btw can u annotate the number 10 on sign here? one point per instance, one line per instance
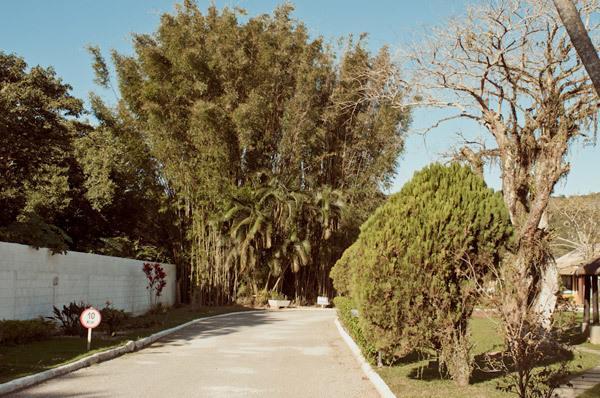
(89, 319)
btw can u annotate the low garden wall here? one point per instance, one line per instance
(33, 281)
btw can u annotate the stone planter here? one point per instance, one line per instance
(595, 334)
(279, 303)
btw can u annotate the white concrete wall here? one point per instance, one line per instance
(28, 276)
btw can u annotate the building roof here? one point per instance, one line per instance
(576, 263)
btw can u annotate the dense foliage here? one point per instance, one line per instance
(20, 332)
(231, 151)
(344, 307)
(250, 126)
(36, 134)
(65, 184)
(415, 268)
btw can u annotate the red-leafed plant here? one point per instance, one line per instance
(156, 276)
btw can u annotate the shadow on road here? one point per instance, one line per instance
(70, 384)
(216, 327)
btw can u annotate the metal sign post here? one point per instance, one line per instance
(89, 319)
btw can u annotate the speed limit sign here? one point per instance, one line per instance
(89, 319)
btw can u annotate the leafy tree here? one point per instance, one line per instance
(575, 221)
(65, 184)
(123, 188)
(37, 128)
(219, 102)
(273, 231)
(415, 269)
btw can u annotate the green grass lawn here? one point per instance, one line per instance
(26, 359)
(412, 378)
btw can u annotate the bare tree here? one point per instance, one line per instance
(510, 67)
(580, 39)
(577, 223)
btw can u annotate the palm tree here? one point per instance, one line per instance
(328, 205)
(277, 232)
(265, 227)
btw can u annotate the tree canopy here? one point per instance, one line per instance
(220, 103)
(37, 129)
(68, 184)
(231, 150)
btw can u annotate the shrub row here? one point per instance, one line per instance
(19, 332)
(344, 306)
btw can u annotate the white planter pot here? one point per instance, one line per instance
(279, 303)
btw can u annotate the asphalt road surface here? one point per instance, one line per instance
(287, 353)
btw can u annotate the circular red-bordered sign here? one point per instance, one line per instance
(90, 318)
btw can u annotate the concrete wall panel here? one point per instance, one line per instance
(32, 281)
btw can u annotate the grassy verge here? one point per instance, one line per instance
(344, 307)
(412, 377)
(26, 359)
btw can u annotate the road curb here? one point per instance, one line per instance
(130, 346)
(375, 379)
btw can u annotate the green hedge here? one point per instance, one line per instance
(344, 306)
(19, 332)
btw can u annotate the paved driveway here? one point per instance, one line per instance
(288, 353)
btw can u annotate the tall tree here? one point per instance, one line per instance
(220, 102)
(37, 129)
(510, 67)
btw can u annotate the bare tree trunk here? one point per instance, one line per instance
(580, 39)
(546, 301)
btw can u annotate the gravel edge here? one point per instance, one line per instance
(130, 346)
(380, 385)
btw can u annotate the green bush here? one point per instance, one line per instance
(415, 268)
(341, 273)
(112, 319)
(344, 306)
(68, 318)
(19, 332)
(262, 297)
(244, 295)
(275, 295)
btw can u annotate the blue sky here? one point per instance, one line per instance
(55, 33)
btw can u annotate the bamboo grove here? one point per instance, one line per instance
(270, 172)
